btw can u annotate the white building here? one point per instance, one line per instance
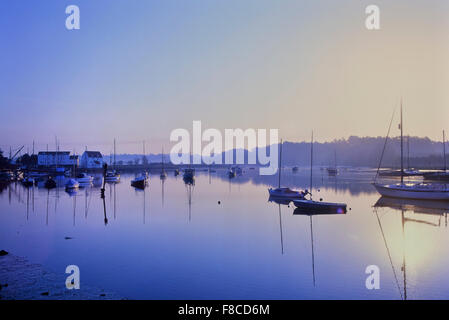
(91, 160)
(54, 158)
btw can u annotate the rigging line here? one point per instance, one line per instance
(385, 145)
(389, 255)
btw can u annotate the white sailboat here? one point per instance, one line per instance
(163, 175)
(409, 190)
(112, 175)
(284, 192)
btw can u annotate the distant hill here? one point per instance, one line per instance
(354, 151)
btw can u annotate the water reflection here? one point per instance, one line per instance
(311, 214)
(230, 243)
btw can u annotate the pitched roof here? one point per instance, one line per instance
(93, 154)
(53, 153)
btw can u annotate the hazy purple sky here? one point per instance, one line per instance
(138, 69)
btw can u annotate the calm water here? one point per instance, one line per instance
(172, 241)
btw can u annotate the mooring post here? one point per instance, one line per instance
(105, 169)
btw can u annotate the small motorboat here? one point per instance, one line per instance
(112, 176)
(286, 193)
(50, 183)
(68, 173)
(140, 181)
(72, 184)
(319, 207)
(28, 181)
(84, 178)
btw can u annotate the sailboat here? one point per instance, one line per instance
(409, 190)
(72, 184)
(318, 207)
(112, 175)
(284, 192)
(189, 173)
(140, 181)
(333, 171)
(231, 173)
(439, 175)
(163, 174)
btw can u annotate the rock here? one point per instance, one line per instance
(3, 253)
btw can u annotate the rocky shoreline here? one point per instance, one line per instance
(23, 280)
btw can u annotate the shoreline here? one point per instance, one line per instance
(21, 279)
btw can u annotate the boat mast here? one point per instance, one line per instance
(402, 150)
(279, 165)
(335, 159)
(408, 152)
(163, 169)
(444, 151)
(114, 155)
(311, 164)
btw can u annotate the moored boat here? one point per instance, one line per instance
(72, 184)
(409, 190)
(50, 183)
(140, 181)
(414, 191)
(84, 178)
(28, 181)
(284, 192)
(189, 173)
(112, 176)
(320, 207)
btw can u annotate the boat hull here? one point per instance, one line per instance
(407, 193)
(317, 207)
(280, 194)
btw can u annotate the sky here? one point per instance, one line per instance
(138, 69)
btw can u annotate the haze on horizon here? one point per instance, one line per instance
(136, 70)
